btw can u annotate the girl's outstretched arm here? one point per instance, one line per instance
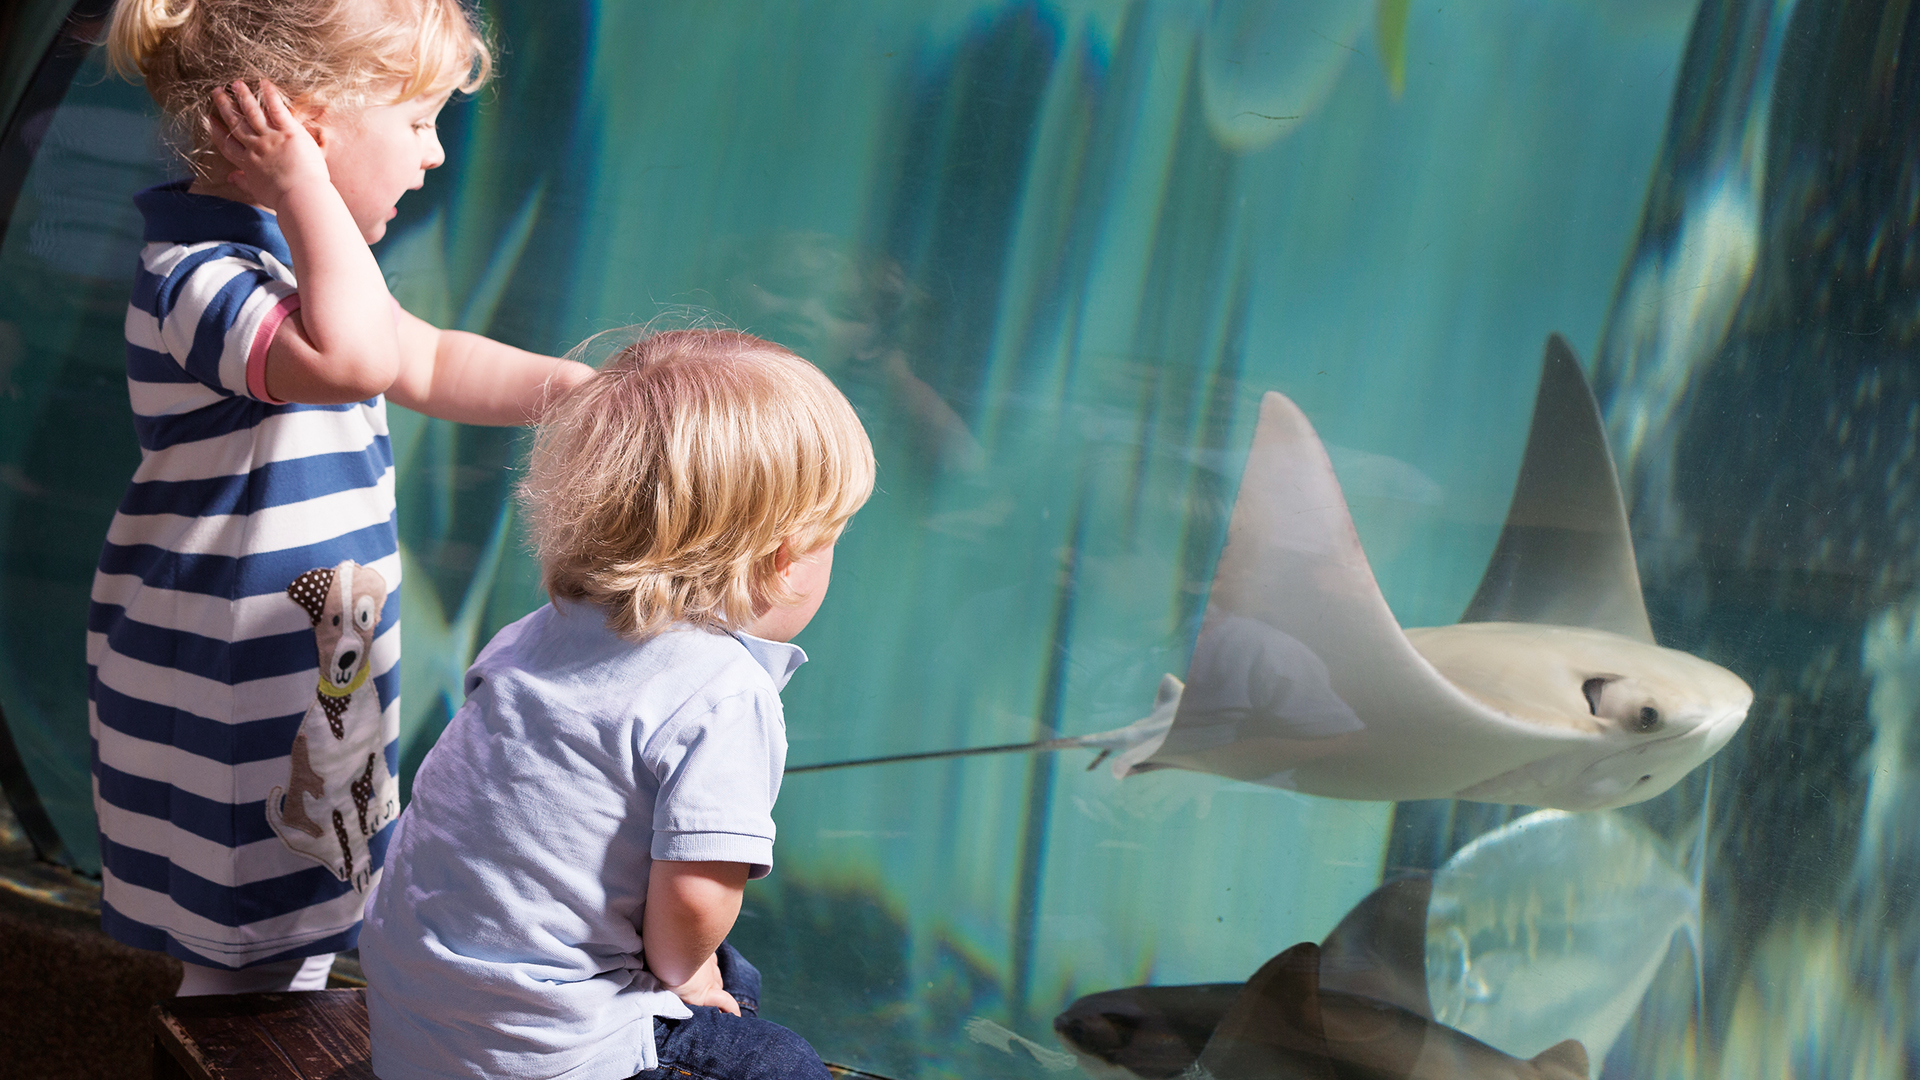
(455, 375)
(340, 345)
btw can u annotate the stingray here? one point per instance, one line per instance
(1354, 1006)
(1549, 692)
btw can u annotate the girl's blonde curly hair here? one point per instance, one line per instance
(663, 488)
(322, 54)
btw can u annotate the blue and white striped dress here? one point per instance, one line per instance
(202, 665)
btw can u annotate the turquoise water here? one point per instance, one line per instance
(1055, 253)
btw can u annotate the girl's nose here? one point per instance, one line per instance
(436, 154)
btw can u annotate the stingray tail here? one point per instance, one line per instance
(1040, 746)
(1134, 743)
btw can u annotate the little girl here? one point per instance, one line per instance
(244, 629)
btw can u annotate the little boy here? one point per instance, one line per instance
(558, 891)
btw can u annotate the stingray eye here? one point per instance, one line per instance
(1648, 719)
(1592, 688)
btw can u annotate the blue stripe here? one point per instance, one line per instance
(222, 417)
(141, 936)
(229, 744)
(227, 824)
(231, 905)
(277, 483)
(127, 931)
(228, 662)
(251, 575)
(221, 313)
(167, 293)
(207, 657)
(175, 215)
(146, 290)
(149, 365)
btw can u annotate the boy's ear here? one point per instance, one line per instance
(783, 557)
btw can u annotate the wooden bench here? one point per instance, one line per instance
(316, 1035)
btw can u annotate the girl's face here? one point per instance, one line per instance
(379, 153)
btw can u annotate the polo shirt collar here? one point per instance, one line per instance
(175, 215)
(780, 658)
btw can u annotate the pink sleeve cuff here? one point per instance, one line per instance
(262, 338)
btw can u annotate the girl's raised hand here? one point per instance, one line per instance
(270, 149)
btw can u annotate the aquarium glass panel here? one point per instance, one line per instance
(1348, 468)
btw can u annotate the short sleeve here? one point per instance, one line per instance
(221, 309)
(719, 773)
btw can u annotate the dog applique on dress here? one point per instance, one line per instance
(339, 792)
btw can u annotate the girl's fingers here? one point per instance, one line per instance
(250, 107)
(223, 105)
(224, 142)
(275, 104)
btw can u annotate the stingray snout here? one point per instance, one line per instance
(1641, 772)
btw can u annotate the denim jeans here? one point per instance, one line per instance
(716, 1045)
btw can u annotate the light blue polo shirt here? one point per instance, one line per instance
(504, 940)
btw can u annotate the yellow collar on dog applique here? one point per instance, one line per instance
(359, 681)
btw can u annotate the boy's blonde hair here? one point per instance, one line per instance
(323, 54)
(663, 487)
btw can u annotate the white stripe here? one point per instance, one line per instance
(238, 344)
(281, 436)
(251, 699)
(169, 399)
(274, 528)
(161, 256)
(144, 330)
(181, 324)
(227, 944)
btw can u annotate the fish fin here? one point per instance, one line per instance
(1390, 32)
(1293, 573)
(1564, 556)
(1169, 692)
(1274, 1026)
(1379, 949)
(1134, 744)
(1568, 1059)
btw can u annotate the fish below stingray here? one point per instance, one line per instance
(1555, 926)
(1549, 692)
(1378, 951)
(1540, 936)
(1353, 1007)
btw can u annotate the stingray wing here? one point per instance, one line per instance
(1565, 556)
(1301, 677)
